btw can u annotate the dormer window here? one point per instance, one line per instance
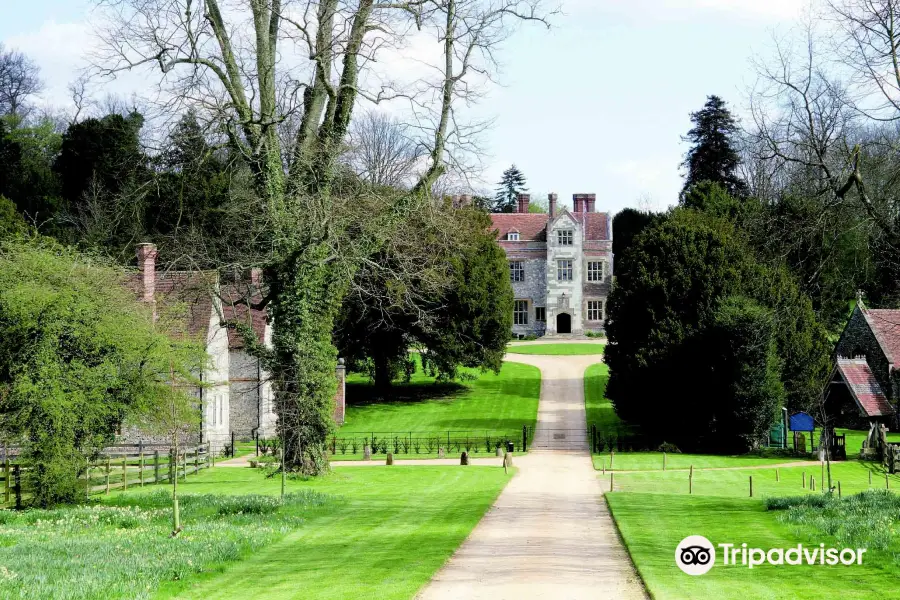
(564, 237)
(513, 236)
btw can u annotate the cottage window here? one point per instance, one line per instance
(516, 270)
(520, 312)
(513, 236)
(564, 237)
(564, 270)
(595, 310)
(540, 314)
(595, 270)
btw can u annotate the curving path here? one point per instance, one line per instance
(549, 535)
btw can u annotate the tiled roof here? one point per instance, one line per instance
(184, 301)
(885, 324)
(235, 310)
(532, 226)
(864, 387)
(596, 225)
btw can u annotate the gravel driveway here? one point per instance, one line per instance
(549, 535)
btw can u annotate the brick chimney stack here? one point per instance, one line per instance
(590, 201)
(524, 199)
(577, 203)
(146, 259)
(552, 198)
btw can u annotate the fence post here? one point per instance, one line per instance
(107, 474)
(887, 482)
(197, 460)
(256, 436)
(804, 480)
(87, 481)
(210, 459)
(839, 489)
(7, 473)
(611, 480)
(776, 476)
(691, 480)
(751, 486)
(172, 464)
(142, 469)
(18, 475)
(664, 461)
(524, 438)
(870, 478)
(232, 445)
(124, 472)
(156, 466)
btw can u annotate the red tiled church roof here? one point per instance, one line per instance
(864, 387)
(885, 324)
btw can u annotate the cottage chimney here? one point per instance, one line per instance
(146, 259)
(524, 199)
(552, 198)
(590, 200)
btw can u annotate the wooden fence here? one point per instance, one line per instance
(114, 470)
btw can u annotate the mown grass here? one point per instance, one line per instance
(357, 533)
(721, 510)
(392, 530)
(558, 349)
(487, 402)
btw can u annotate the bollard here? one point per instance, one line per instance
(390, 458)
(464, 458)
(611, 453)
(524, 437)
(611, 481)
(839, 489)
(804, 480)
(691, 480)
(776, 476)
(664, 461)
(887, 482)
(870, 478)
(812, 484)
(751, 486)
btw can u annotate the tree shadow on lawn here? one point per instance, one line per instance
(363, 394)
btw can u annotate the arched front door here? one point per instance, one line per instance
(563, 323)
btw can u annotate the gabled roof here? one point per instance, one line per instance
(885, 324)
(532, 227)
(864, 387)
(235, 309)
(184, 301)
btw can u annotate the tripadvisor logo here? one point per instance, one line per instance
(696, 555)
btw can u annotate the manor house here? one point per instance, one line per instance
(560, 265)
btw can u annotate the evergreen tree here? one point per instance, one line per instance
(712, 156)
(508, 189)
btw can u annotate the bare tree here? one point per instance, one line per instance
(19, 81)
(381, 150)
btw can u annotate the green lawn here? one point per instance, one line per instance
(653, 461)
(721, 510)
(599, 409)
(557, 349)
(503, 402)
(354, 534)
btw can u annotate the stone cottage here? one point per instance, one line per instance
(237, 395)
(864, 387)
(560, 265)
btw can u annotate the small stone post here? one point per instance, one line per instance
(441, 452)
(390, 458)
(464, 458)
(367, 452)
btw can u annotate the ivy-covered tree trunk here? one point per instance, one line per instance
(306, 291)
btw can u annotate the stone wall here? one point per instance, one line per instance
(533, 289)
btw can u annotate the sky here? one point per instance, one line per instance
(596, 104)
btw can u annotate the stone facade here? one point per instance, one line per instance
(561, 266)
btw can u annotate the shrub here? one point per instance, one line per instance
(667, 447)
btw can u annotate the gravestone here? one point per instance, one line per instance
(464, 459)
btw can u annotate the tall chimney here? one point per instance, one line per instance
(146, 259)
(578, 203)
(524, 199)
(590, 200)
(552, 198)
